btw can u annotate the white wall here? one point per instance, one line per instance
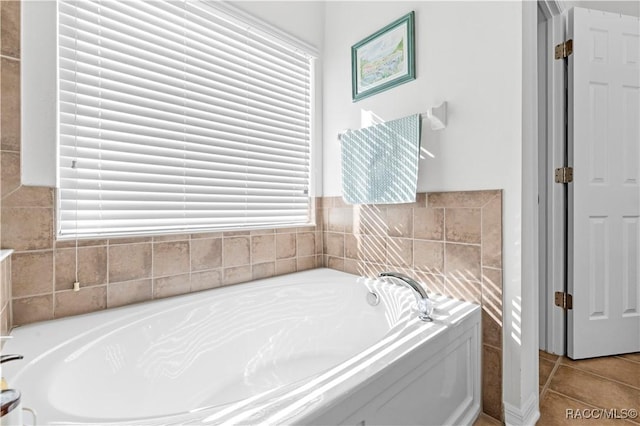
(470, 55)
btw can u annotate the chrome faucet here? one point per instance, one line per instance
(425, 306)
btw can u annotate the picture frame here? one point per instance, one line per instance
(385, 59)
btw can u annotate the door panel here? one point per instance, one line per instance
(604, 198)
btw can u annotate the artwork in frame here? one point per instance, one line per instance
(385, 59)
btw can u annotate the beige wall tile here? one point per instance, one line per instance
(492, 293)
(263, 248)
(458, 288)
(285, 246)
(400, 251)
(492, 381)
(170, 237)
(89, 299)
(263, 270)
(492, 233)
(30, 196)
(10, 173)
(433, 282)
(319, 243)
(60, 244)
(235, 251)
(27, 228)
(92, 267)
(286, 266)
(170, 258)
(10, 104)
(463, 225)
(306, 244)
(336, 263)
(352, 266)
(206, 235)
(372, 248)
(304, 263)
(10, 28)
(130, 240)
(340, 219)
(126, 293)
(351, 250)
(32, 309)
(460, 198)
(239, 274)
(128, 262)
(428, 256)
(399, 222)
(335, 244)
(262, 231)
(371, 220)
(462, 262)
(491, 329)
(32, 273)
(171, 286)
(428, 223)
(236, 233)
(206, 280)
(206, 253)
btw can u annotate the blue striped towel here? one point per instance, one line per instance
(380, 163)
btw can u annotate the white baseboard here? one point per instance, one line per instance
(527, 415)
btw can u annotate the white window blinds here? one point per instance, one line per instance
(174, 117)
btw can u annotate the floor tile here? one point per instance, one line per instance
(611, 367)
(544, 370)
(594, 390)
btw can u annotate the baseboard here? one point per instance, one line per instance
(525, 416)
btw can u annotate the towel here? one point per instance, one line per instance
(380, 163)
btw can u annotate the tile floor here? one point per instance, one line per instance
(608, 382)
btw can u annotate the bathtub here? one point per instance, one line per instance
(306, 348)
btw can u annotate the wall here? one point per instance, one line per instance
(470, 55)
(9, 131)
(450, 241)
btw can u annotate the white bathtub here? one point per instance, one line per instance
(305, 348)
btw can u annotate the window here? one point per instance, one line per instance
(176, 117)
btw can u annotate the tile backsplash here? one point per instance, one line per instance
(451, 241)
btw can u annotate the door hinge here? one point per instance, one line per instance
(564, 175)
(563, 300)
(563, 50)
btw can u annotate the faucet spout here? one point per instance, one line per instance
(425, 307)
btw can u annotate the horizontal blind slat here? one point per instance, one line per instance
(173, 118)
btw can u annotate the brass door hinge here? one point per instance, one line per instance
(564, 175)
(563, 50)
(563, 300)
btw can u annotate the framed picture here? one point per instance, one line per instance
(385, 59)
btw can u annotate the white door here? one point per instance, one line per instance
(604, 198)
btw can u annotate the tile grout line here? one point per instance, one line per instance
(602, 377)
(547, 384)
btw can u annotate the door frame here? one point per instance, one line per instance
(552, 143)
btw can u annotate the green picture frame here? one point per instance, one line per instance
(385, 59)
